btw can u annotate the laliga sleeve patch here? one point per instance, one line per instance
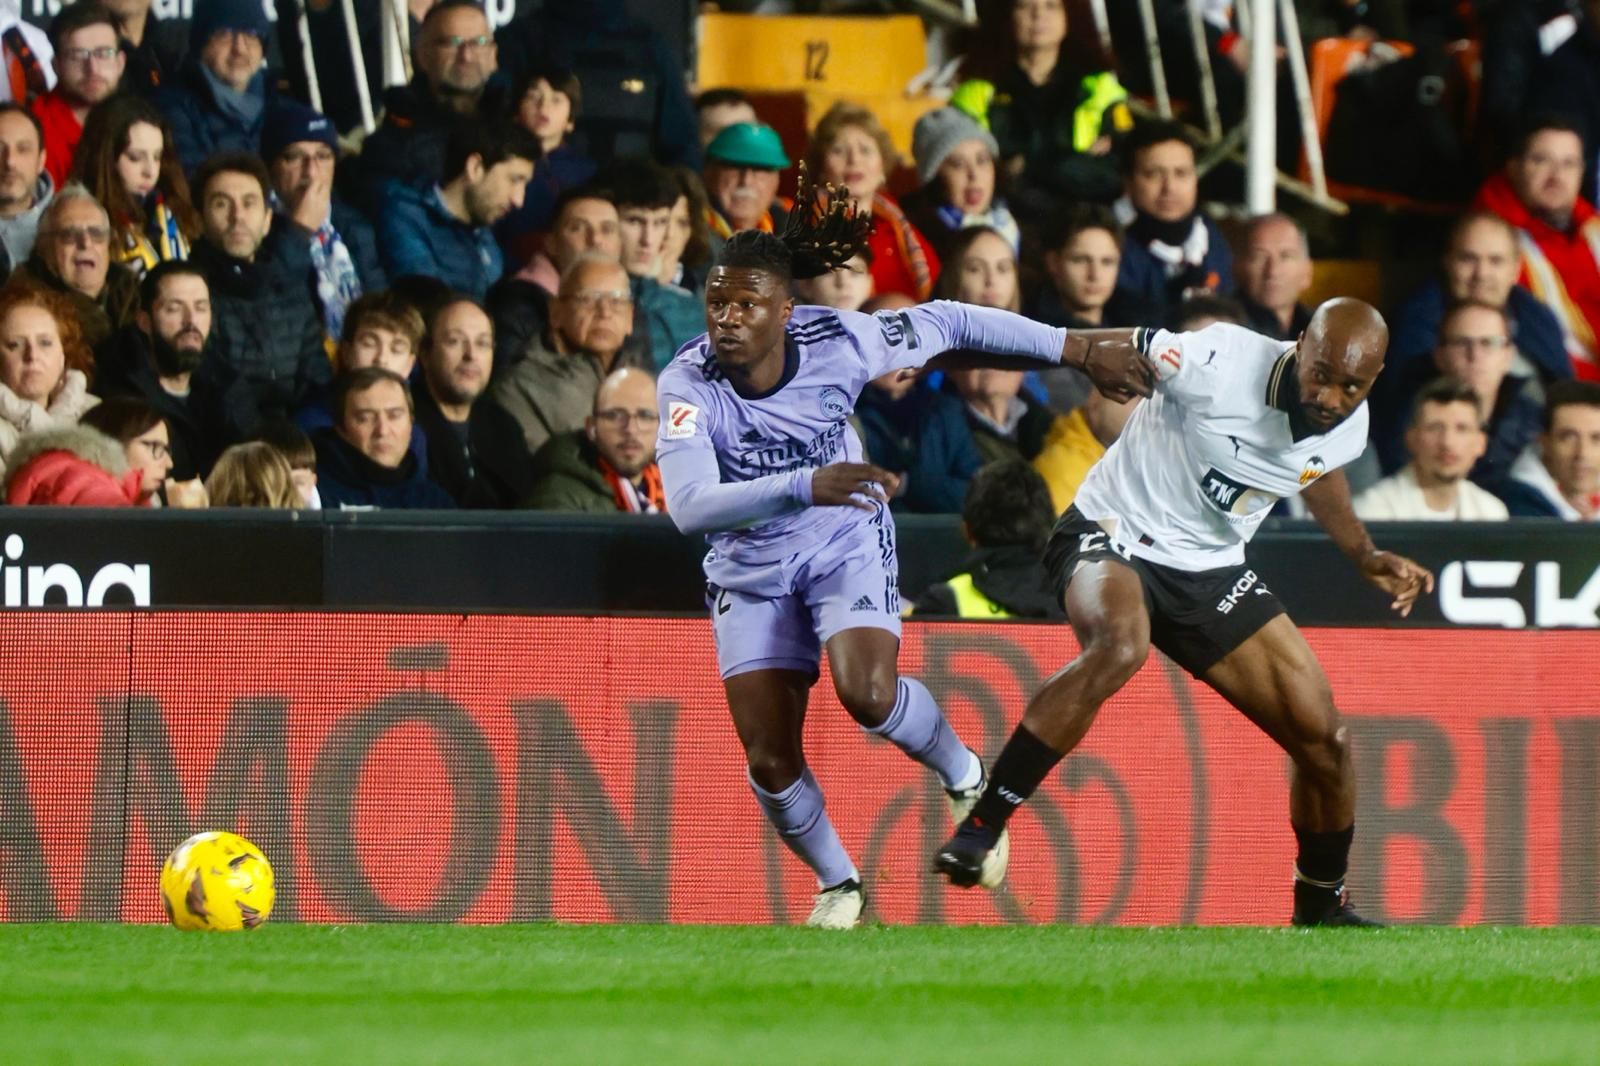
(681, 419)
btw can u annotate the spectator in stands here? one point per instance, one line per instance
(264, 315)
(1566, 81)
(1273, 273)
(89, 65)
(742, 167)
(717, 109)
(26, 188)
(169, 362)
(688, 252)
(44, 364)
(146, 446)
(475, 449)
(851, 148)
(605, 46)
(301, 149)
(1480, 264)
(1539, 194)
(1053, 114)
(253, 474)
(609, 465)
(1475, 345)
(456, 60)
(1445, 440)
(443, 231)
(1083, 254)
(846, 289)
(293, 444)
(550, 101)
(1006, 517)
(127, 162)
(1560, 478)
(72, 256)
(645, 195)
(1078, 440)
(73, 466)
(219, 100)
(585, 223)
(154, 47)
(365, 462)
(921, 434)
(1171, 250)
(551, 390)
(957, 171)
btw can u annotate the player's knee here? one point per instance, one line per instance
(1116, 657)
(1325, 754)
(774, 769)
(868, 699)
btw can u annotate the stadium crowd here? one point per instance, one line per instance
(218, 295)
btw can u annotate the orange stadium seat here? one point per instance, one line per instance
(869, 60)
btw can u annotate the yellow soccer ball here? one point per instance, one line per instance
(217, 881)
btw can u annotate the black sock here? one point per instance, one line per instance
(1323, 857)
(1024, 762)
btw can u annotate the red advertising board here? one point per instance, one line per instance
(504, 768)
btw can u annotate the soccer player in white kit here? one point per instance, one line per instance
(1152, 551)
(756, 451)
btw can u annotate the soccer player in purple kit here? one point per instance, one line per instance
(756, 451)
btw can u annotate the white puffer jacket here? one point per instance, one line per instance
(19, 416)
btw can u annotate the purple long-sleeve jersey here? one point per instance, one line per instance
(738, 468)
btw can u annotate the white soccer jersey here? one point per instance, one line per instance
(1201, 463)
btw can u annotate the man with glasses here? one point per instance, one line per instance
(551, 390)
(221, 96)
(456, 64)
(609, 465)
(475, 449)
(444, 229)
(301, 149)
(73, 257)
(1558, 232)
(1475, 345)
(89, 65)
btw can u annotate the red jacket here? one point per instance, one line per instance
(62, 131)
(890, 241)
(1561, 268)
(73, 466)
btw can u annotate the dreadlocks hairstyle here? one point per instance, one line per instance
(822, 232)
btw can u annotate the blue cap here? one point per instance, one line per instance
(290, 122)
(241, 16)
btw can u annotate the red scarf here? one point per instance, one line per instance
(649, 497)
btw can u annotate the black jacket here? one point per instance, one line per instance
(220, 409)
(1011, 577)
(348, 479)
(266, 320)
(155, 61)
(358, 236)
(491, 469)
(409, 146)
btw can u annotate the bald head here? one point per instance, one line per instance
(593, 311)
(1338, 359)
(623, 426)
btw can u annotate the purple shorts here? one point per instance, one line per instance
(851, 581)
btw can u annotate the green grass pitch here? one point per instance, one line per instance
(662, 995)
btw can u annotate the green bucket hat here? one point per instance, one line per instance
(748, 144)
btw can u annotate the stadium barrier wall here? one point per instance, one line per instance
(484, 768)
(1535, 575)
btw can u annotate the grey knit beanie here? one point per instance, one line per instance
(936, 135)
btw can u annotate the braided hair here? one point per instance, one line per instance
(822, 233)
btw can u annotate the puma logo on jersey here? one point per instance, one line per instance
(1235, 446)
(1315, 468)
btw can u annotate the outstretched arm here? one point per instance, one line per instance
(700, 502)
(1328, 499)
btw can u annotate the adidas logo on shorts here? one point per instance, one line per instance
(863, 604)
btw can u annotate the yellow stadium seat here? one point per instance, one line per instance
(868, 60)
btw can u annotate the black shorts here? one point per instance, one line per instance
(1196, 617)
